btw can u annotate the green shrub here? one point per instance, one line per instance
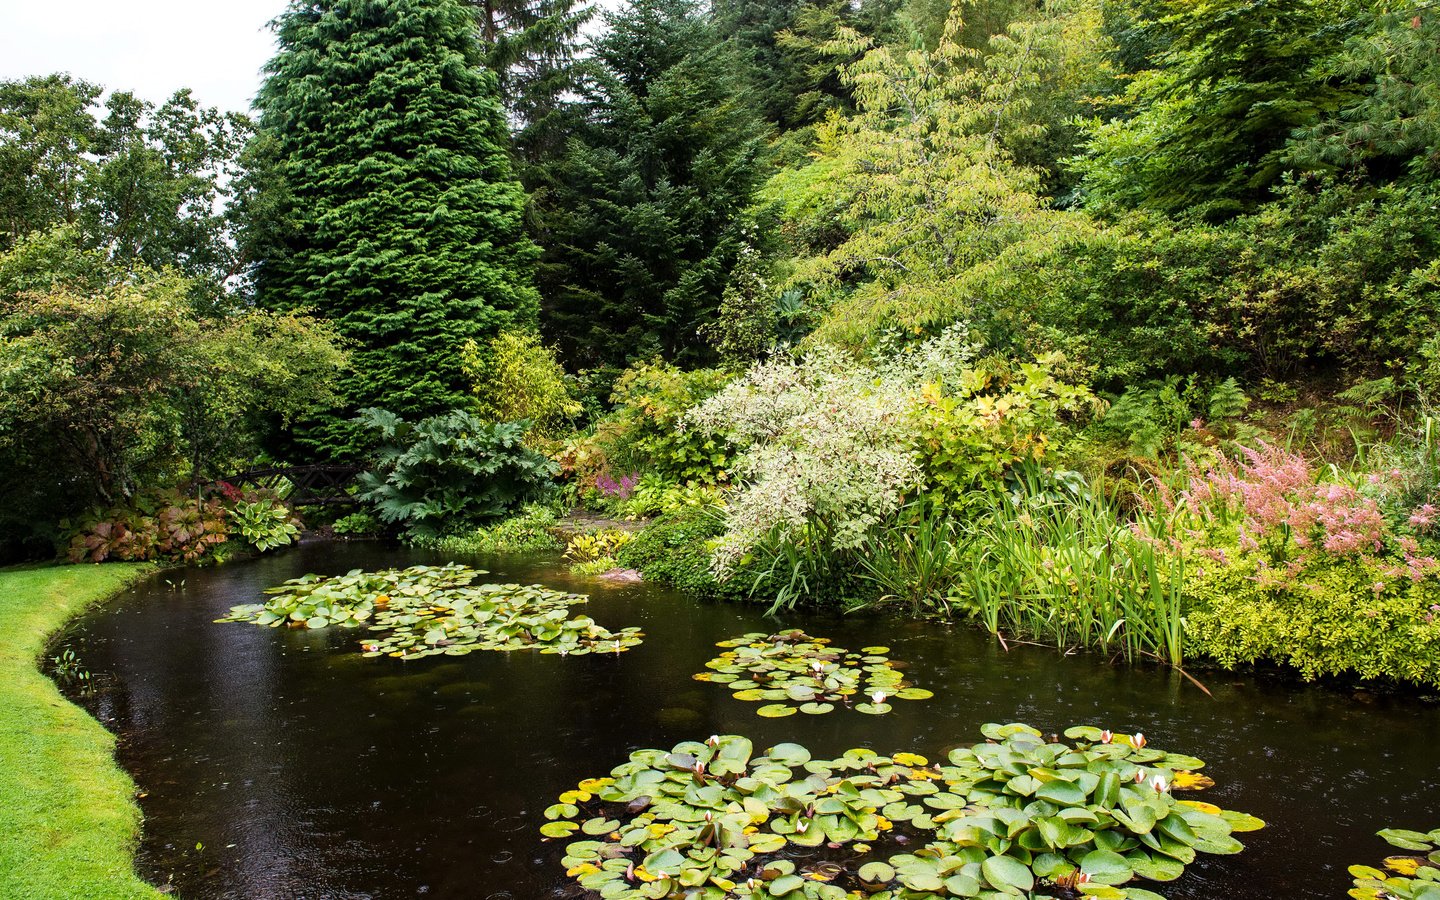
(361, 522)
(449, 471)
(644, 431)
(1335, 616)
(675, 550)
(528, 531)
(516, 377)
(264, 523)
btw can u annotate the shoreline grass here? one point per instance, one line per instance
(68, 817)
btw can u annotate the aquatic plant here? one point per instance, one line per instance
(792, 667)
(1410, 877)
(432, 610)
(1018, 816)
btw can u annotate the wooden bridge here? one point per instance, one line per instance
(316, 485)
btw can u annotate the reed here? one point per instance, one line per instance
(1069, 570)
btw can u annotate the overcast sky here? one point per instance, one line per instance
(149, 47)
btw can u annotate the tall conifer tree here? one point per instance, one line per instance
(387, 201)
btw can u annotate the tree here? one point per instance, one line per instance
(1205, 128)
(103, 392)
(641, 217)
(388, 203)
(144, 187)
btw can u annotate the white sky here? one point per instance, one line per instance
(148, 47)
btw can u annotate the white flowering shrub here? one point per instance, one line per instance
(825, 444)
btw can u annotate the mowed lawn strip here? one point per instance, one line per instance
(68, 818)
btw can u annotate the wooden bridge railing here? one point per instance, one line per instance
(317, 485)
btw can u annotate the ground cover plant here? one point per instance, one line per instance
(800, 673)
(433, 610)
(1020, 815)
(1411, 876)
(68, 818)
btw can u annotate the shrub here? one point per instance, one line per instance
(996, 417)
(675, 549)
(825, 449)
(595, 545)
(450, 471)
(645, 433)
(528, 531)
(516, 377)
(155, 525)
(1330, 616)
(362, 522)
(264, 523)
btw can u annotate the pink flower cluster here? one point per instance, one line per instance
(1283, 509)
(621, 489)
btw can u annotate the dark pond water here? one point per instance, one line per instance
(282, 764)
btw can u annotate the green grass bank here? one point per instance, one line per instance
(68, 818)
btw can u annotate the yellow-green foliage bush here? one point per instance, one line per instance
(591, 546)
(1336, 616)
(516, 377)
(995, 416)
(644, 432)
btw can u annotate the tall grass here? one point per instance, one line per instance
(1068, 570)
(914, 560)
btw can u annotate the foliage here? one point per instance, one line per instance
(428, 611)
(1172, 416)
(130, 386)
(1063, 566)
(590, 546)
(384, 200)
(1016, 816)
(531, 530)
(653, 496)
(1328, 616)
(132, 185)
(791, 667)
(746, 324)
(995, 418)
(675, 549)
(264, 523)
(71, 822)
(824, 445)
(360, 522)
(156, 525)
(1410, 877)
(1203, 127)
(516, 377)
(450, 471)
(642, 215)
(913, 559)
(645, 431)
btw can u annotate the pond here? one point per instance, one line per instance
(281, 763)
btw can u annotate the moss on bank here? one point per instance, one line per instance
(68, 818)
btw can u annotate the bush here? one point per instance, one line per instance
(675, 549)
(516, 377)
(644, 433)
(156, 525)
(450, 471)
(531, 530)
(362, 522)
(1332, 616)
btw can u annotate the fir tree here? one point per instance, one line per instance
(641, 219)
(387, 201)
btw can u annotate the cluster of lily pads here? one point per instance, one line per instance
(1021, 815)
(434, 610)
(1414, 876)
(800, 673)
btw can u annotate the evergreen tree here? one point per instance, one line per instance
(386, 200)
(642, 217)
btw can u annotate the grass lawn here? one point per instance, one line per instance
(68, 819)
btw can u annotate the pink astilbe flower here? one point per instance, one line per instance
(1277, 504)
